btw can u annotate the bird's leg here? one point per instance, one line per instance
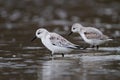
(52, 54)
(62, 55)
(97, 47)
(52, 57)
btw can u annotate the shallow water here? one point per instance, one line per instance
(21, 59)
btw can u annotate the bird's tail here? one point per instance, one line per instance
(80, 47)
(77, 47)
(74, 47)
(109, 39)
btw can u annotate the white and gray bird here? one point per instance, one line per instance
(54, 42)
(90, 35)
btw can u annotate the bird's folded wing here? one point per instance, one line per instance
(58, 40)
(94, 35)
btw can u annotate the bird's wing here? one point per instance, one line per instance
(92, 29)
(93, 33)
(58, 40)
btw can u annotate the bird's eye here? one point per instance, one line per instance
(73, 28)
(38, 33)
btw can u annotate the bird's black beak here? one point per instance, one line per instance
(70, 33)
(33, 38)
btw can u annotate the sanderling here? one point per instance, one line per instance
(90, 35)
(54, 42)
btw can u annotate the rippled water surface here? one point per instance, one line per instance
(21, 59)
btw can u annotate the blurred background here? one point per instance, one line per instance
(22, 60)
(43, 12)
